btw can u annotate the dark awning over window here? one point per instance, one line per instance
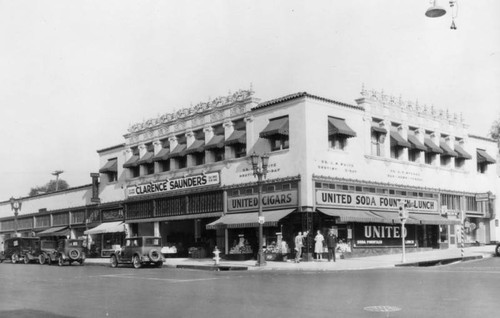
(461, 152)
(352, 215)
(423, 218)
(55, 231)
(110, 166)
(237, 137)
(338, 126)
(132, 162)
(376, 127)
(147, 158)
(178, 151)
(249, 219)
(447, 151)
(162, 155)
(217, 141)
(482, 156)
(415, 143)
(275, 127)
(196, 146)
(431, 146)
(398, 140)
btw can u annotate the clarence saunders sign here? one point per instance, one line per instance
(363, 200)
(174, 184)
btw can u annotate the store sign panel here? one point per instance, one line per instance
(269, 200)
(383, 235)
(164, 186)
(363, 200)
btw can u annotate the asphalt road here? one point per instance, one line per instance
(469, 289)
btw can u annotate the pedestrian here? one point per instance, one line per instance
(331, 244)
(298, 247)
(318, 246)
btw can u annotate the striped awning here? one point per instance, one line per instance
(461, 152)
(132, 162)
(237, 137)
(197, 146)
(217, 141)
(398, 140)
(109, 227)
(376, 127)
(432, 219)
(415, 143)
(249, 219)
(147, 158)
(177, 217)
(162, 154)
(482, 156)
(390, 217)
(110, 166)
(178, 151)
(431, 146)
(338, 126)
(447, 151)
(352, 215)
(278, 126)
(55, 231)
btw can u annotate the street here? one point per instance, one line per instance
(459, 290)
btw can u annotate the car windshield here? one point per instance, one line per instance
(152, 242)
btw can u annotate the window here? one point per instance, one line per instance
(277, 132)
(181, 162)
(398, 143)
(110, 170)
(338, 133)
(238, 139)
(164, 165)
(219, 154)
(462, 155)
(432, 148)
(133, 163)
(416, 146)
(378, 136)
(134, 172)
(198, 158)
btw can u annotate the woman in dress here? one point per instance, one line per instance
(318, 246)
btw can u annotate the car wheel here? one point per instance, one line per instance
(14, 258)
(26, 259)
(60, 261)
(136, 261)
(154, 255)
(497, 250)
(41, 259)
(114, 261)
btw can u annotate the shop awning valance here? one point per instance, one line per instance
(390, 217)
(237, 137)
(415, 143)
(110, 166)
(338, 126)
(398, 140)
(196, 146)
(109, 227)
(482, 156)
(217, 141)
(55, 231)
(275, 127)
(435, 219)
(431, 146)
(249, 219)
(461, 152)
(447, 151)
(376, 127)
(177, 217)
(147, 158)
(162, 154)
(352, 215)
(178, 151)
(132, 162)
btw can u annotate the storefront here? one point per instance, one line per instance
(106, 238)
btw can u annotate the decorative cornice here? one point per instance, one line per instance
(300, 95)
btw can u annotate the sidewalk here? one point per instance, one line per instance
(369, 262)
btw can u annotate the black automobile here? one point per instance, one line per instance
(497, 250)
(21, 249)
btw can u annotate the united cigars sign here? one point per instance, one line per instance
(269, 200)
(187, 182)
(383, 235)
(363, 200)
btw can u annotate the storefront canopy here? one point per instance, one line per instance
(415, 143)
(237, 137)
(352, 215)
(431, 146)
(338, 126)
(110, 166)
(177, 217)
(109, 227)
(398, 140)
(278, 126)
(461, 152)
(249, 219)
(482, 156)
(392, 218)
(447, 151)
(436, 219)
(55, 231)
(217, 141)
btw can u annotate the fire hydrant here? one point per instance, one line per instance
(216, 257)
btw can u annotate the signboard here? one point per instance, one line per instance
(370, 201)
(269, 200)
(482, 197)
(383, 235)
(164, 186)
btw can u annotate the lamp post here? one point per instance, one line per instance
(15, 205)
(260, 172)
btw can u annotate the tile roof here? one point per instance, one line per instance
(300, 95)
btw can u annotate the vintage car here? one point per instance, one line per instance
(62, 251)
(497, 250)
(22, 249)
(139, 251)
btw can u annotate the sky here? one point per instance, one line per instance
(74, 75)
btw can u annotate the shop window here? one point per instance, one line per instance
(392, 192)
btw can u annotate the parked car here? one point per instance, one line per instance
(139, 251)
(66, 251)
(497, 250)
(22, 249)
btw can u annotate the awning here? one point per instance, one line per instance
(196, 146)
(110, 227)
(110, 166)
(431, 146)
(392, 218)
(132, 162)
(352, 215)
(415, 143)
(277, 126)
(147, 158)
(237, 137)
(422, 218)
(217, 141)
(398, 140)
(447, 151)
(178, 151)
(376, 127)
(177, 217)
(249, 219)
(338, 126)
(55, 231)
(482, 156)
(461, 152)
(162, 154)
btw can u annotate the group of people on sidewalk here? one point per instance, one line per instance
(320, 243)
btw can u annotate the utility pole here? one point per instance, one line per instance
(57, 173)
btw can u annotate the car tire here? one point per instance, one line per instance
(154, 255)
(14, 258)
(42, 259)
(60, 261)
(136, 261)
(497, 250)
(113, 261)
(26, 259)
(74, 254)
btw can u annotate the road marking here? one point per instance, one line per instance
(132, 276)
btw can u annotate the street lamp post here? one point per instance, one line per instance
(15, 205)
(260, 172)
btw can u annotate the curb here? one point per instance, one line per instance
(438, 262)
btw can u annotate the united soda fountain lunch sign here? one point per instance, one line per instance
(363, 200)
(168, 185)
